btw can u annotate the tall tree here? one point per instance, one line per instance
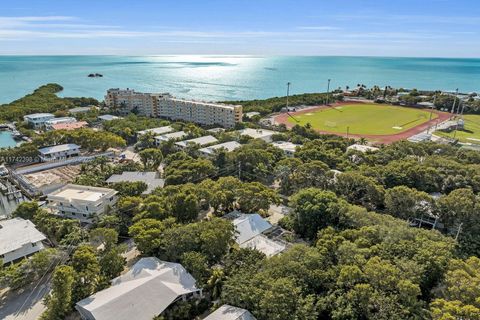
(59, 301)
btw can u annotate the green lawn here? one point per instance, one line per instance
(471, 133)
(372, 119)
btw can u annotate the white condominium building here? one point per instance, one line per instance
(81, 202)
(130, 101)
(206, 113)
(165, 106)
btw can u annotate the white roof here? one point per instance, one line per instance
(229, 146)
(252, 114)
(76, 192)
(58, 148)
(170, 136)
(286, 146)
(257, 133)
(150, 178)
(157, 131)
(420, 137)
(16, 232)
(201, 141)
(265, 245)
(249, 226)
(39, 115)
(362, 148)
(108, 117)
(216, 130)
(61, 120)
(142, 293)
(227, 312)
(80, 109)
(205, 103)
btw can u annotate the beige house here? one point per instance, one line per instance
(81, 202)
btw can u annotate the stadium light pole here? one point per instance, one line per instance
(454, 101)
(328, 91)
(288, 92)
(431, 113)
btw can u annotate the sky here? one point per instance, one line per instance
(421, 28)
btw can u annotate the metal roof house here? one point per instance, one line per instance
(202, 141)
(228, 312)
(228, 146)
(142, 293)
(59, 152)
(108, 117)
(263, 134)
(249, 226)
(19, 238)
(149, 178)
(37, 120)
(170, 136)
(249, 233)
(362, 148)
(287, 147)
(156, 131)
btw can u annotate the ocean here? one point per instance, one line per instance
(217, 78)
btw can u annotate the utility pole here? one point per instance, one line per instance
(239, 170)
(328, 91)
(454, 102)
(431, 112)
(288, 92)
(458, 230)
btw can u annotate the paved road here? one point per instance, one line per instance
(27, 305)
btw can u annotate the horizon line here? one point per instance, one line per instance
(232, 55)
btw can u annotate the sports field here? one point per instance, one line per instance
(471, 132)
(362, 119)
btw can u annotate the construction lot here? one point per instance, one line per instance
(53, 178)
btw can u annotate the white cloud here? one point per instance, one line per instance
(319, 28)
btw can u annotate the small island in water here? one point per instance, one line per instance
(95, 75)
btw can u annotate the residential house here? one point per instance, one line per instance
(142, 293)
(362, 148)
(227, 146)
(49, 123)
(37, 120)
(170, 136)
(151, 179)
(59, 152)
(69, 126)
(265, 135)
(18, 239)
(201, 141)
(84, 203)
(228, 312)
(250, 229)
(287, 147)
(156, 131)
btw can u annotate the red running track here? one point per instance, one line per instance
(385, 139)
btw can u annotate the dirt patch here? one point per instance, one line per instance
(53, 176)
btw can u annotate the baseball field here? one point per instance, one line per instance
(363, 119)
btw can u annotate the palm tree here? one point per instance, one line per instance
(362, 141)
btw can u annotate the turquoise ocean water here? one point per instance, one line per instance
(229, 77)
